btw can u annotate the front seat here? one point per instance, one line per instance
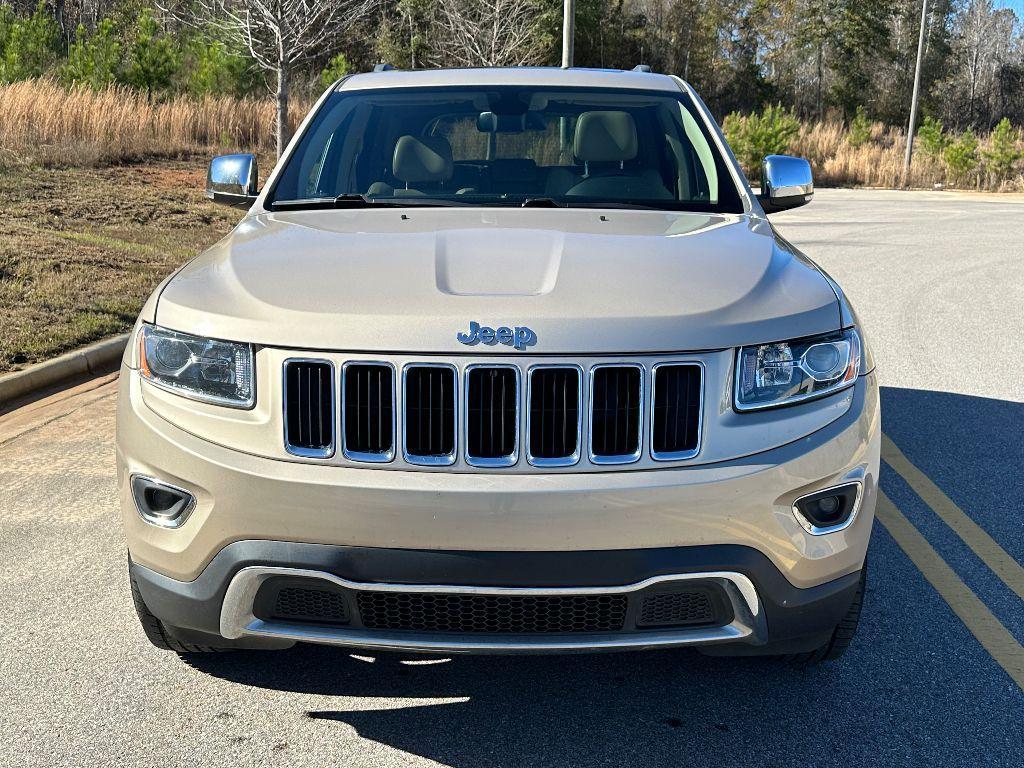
(418, 160)
(605, 141)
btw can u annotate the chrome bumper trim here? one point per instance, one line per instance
(237, 618)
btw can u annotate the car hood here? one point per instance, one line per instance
(584, 281)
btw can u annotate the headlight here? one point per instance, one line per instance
(204, 369)
(787, 372)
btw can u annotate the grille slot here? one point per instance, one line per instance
(369, 412)
(616, 410)
(676, 416)
(309, 408)
(678, 609)
(304, 604)
(554, 416)
(492, 415)
(496, 614)
(429, 398)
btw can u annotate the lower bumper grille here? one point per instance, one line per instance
(694, 607)
(681, 605)
(519, 614)
(305, 604)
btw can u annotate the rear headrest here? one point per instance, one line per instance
(605, 137)
(422, 158)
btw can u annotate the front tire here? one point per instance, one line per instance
(161, 635)
(842, 636)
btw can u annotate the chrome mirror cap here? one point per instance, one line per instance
(233, 180)
(786, 182)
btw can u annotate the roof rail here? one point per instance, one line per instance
(383, 67)
(642, 68)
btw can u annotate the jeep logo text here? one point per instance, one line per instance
(519, 337)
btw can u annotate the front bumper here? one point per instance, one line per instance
(746, 501)
(729, 523)
(765, 612)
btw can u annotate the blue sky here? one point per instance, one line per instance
(1017, 5)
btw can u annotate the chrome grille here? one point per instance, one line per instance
(616, 398)
(309, 408)
(429, 397)
(522, 415)
(676, 416)
(554, 418)
(368, 411)
(492, 415)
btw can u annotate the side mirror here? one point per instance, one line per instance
(232, 180)
(786, 183)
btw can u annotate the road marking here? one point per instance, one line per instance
(982, 623)
(973, 535)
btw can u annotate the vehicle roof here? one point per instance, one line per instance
(522, 76)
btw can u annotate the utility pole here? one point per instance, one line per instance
(914, 98)
(568, 31)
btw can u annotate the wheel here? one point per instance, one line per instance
(844, 632)
(161, 635)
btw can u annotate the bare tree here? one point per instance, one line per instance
(278, 34)
(986, 42)
(488, 33)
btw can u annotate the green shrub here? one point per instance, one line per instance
(336, 68)
(961, 155)
(216, 70)
(6, 24)
(29, 46)
(93, 60)
(755, 135)
(153, 58)
(860, 128)
(1003, 152)
(931, 137)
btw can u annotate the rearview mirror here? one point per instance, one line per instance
(233, 180)
(786, 183)
(492, 122)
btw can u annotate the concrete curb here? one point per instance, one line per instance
(91, 360)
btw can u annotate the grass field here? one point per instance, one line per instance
(81, 249)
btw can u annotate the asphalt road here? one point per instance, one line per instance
(934, 678)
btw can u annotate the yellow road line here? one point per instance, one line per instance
(989, 631)
(973, 535)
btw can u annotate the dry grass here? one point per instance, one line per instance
(879, 162)
(45, 123)
(81, 249)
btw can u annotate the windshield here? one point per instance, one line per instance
(508, 146)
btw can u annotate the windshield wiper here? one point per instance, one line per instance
(352, 200)
(355, 200)
(542, 202)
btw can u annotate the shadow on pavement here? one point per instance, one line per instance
(971, 447)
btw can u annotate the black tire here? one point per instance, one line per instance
(159, 634)
(844, 632)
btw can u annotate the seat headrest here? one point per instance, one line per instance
(422, 158)
(605, 137)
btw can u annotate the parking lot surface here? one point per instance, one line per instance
(935, 677)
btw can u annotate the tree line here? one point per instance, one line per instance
(819, 59)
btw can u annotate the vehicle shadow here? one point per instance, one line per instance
(916, 688)
(970, 447)
(654, 708)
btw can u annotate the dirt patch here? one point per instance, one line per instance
(81, 249)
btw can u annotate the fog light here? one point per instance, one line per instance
(161, 503)
(828, 510)
(828, 506)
